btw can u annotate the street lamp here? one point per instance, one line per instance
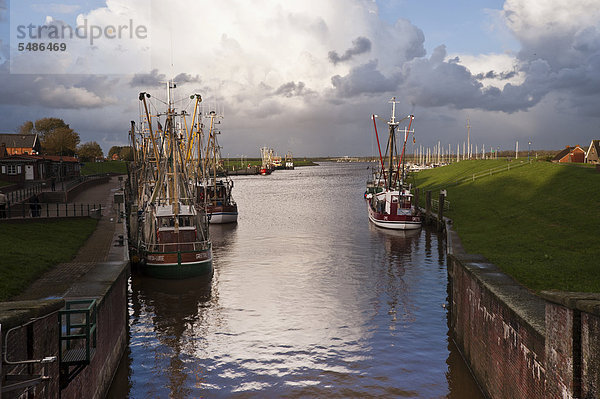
(528, 150)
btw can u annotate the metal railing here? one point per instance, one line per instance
(479, 175)
(26, 210)
(23, 193)
(77, 340)
(435, 205)
(175, 246)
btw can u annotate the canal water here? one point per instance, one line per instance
(308, 300)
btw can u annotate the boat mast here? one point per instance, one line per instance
(392, 128)
(174, 147)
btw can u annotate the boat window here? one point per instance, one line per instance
(394, 199)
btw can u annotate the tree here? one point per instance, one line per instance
(126, 154)
(60, 141)
(89, 151)
(115, 149)
(46, 125)
(56, 137)
(26, 128)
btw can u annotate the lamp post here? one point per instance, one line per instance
(528, 150)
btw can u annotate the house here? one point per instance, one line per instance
(593, 153)
(20, 144)
(570, 154)
(24, 168)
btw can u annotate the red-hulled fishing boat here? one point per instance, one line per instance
(389, 200)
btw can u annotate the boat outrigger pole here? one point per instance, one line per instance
(378, 146)
(406, 132)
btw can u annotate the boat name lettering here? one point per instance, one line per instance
(156, 257)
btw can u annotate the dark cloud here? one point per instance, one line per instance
(293, 89)
(495, 75)
(56, 91)
(360, 45)
(186, 78)
(364, 79)
(152, 79)
(156, 79)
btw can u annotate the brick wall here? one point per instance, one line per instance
(28, 340)
(94, 381)
(505, 351)
(573, 343)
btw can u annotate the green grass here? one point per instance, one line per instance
(29, 249)
(539, 223)
(93, 168)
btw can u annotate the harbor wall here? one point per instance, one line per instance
(95, 380)
(30, 331)
(35, 335)
(518, 344)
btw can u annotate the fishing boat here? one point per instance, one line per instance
(169, 229)
(215, 190)
(267, 165)
(389, 200)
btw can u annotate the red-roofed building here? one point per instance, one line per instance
(19, 144)
(570, 154)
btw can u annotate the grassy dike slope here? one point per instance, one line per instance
(29, 249)
(539, 223)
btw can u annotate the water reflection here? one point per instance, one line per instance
(308, 299)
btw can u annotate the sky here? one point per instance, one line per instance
(306, 75)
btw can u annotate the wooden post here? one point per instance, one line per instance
(427, 206)
(441, 211)
(416, 198)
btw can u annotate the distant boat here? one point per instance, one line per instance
(268, 161)
(388, 197)
(215, 191)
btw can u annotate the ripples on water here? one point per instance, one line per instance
(308, 299)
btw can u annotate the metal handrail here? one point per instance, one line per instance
(25, 210)
(197, 246)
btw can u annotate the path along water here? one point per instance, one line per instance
(308, 299)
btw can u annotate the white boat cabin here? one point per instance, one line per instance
(395, 202)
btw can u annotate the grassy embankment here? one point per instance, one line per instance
(29, 249)
(94, 168)
(538, 223)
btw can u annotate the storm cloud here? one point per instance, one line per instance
(298, 64)
(360, 45)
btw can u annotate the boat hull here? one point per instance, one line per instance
(223, 214)
(394, 222)
(178, 264)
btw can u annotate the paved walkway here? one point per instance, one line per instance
(100, 247)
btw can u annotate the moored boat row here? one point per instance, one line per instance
(177, 186)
